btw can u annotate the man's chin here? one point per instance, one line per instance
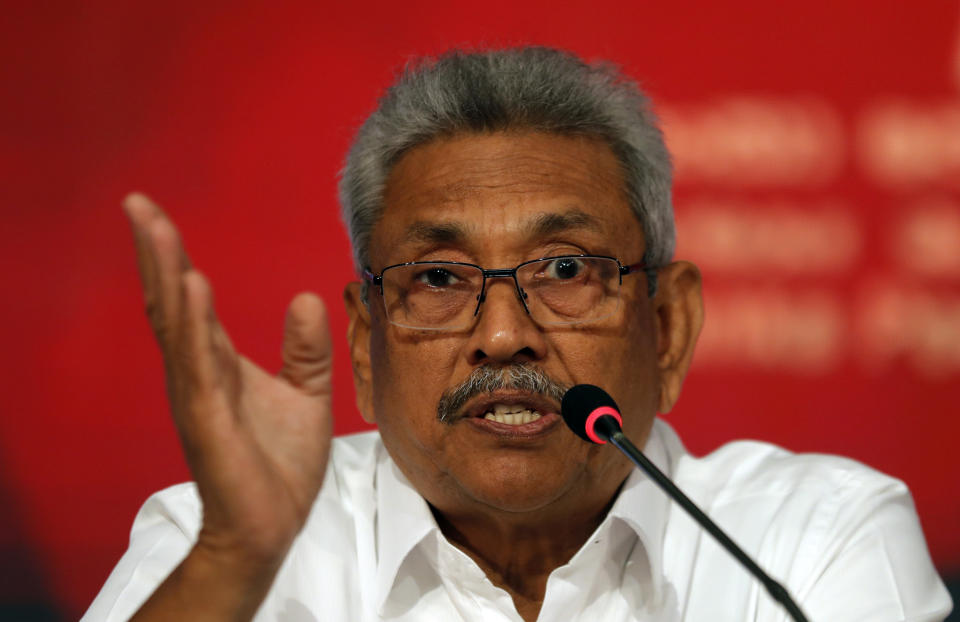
(515, 488)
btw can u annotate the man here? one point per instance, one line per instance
(510, 214)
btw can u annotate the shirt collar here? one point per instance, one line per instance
(404, 519)
(642, 506)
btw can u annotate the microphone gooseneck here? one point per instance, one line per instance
(593, 416)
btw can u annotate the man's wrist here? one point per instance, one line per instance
(213, 583)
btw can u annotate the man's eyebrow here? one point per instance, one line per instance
(436, 232)
(552, 222)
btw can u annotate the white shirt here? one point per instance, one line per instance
(843, 539)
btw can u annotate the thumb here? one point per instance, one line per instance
(307, 351)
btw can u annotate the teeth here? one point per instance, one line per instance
(511, 414)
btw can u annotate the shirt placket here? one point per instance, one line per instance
(472, 594)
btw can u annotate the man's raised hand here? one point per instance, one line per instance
(256, 444)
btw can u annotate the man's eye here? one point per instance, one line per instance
(565, 268)
(437, 277)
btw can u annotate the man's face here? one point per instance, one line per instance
(497, 200)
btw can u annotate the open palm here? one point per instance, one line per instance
(256, 444)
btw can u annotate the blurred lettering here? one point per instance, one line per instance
(755, 141)
(906, 142)
(776, 328)
(926, 241)
(737, 235)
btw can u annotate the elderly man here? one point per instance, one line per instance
(511, 218)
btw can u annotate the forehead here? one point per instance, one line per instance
(506, 184)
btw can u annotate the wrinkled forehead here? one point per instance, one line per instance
(508, 183)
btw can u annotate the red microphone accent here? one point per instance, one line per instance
(602, 411)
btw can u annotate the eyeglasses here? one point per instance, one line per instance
(446, 295)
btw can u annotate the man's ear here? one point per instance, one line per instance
(679, 317)
(358, 336)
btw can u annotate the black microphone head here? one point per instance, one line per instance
(579, 403)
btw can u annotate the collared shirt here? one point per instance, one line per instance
(844, 539)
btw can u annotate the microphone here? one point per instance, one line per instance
(593, 416)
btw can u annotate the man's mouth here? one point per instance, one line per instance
(516, 395)
(511, 414)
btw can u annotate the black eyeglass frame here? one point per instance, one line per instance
(377, 279)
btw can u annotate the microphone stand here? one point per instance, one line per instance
(616, 438)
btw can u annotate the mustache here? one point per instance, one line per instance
(489, 378)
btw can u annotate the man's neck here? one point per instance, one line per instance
(518, 552)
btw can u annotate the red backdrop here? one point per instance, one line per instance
(818, 155)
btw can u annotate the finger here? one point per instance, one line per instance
(167, 292)
(140, 213)
(161, 260)
(141, 210)
(201, 365)
(307, 349)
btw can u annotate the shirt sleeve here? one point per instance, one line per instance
(876, 566)
(163, 532)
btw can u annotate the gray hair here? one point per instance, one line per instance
(531, 88)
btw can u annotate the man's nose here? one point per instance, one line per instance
(504, 332)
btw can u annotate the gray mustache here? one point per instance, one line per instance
(489, 378)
